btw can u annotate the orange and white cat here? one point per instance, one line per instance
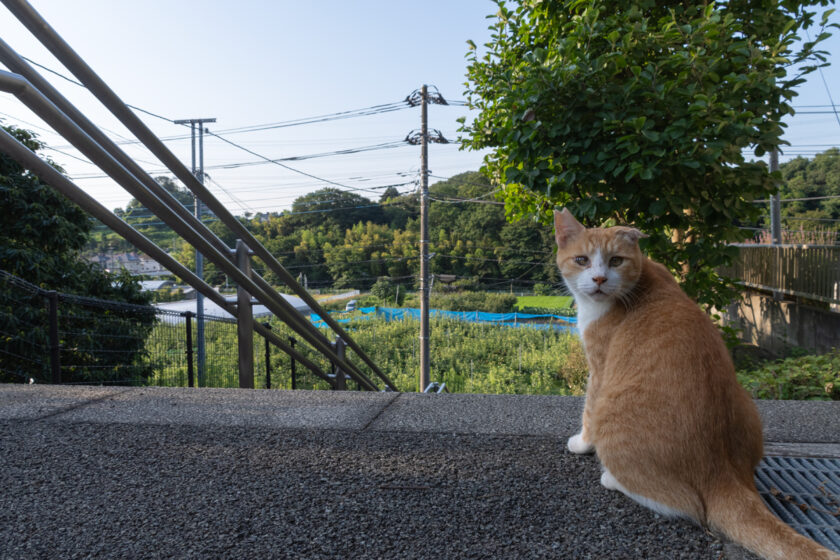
(664, 412)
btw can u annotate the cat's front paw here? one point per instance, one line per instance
(578, 445)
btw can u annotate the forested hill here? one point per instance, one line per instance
(342, 239)
(817, 179)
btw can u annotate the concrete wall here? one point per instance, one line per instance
(777, 326)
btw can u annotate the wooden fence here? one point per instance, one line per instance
(808, 271)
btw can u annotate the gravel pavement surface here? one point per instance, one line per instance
(99, 472)
(90, 490)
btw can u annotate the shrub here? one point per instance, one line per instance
(384, 288)
(573, 368)
(798, 378)
(387, 291)
(474, 301)
(541, 289)
(566, 312)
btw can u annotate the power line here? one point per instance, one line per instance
(237, 165)
(72, 81)
(345, 151)
(230, 195)
(363, 112)
(462, 200)
(498, 261)
(395, 203)
(83, 160)
(804, 199)
(827, 89)
(283, 165)
(383, 259)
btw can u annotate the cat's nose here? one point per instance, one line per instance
(599, 279)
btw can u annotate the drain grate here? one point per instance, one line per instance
(805, 494)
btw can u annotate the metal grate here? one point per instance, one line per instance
(805, 494)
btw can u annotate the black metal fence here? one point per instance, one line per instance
(51, 337)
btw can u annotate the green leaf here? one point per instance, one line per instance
(657, 208)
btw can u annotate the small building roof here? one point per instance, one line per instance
(154, 285)
(212, 309)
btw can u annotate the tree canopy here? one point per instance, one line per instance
(42, 235)
(641, 112)
(813, 178)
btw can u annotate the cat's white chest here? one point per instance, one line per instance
(590, 311)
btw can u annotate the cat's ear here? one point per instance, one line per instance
(630, 233)
(565, 227)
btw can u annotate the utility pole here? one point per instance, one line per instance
(198, 172)
(775, 212)
(424, 140)
(775, 203)
(424, 239)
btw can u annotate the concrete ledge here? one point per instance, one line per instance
(193, 407)
(535, 415)
(33, 402)
(808, 422)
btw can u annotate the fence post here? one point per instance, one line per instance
(340, 381)
(292, 344)
(244, 320)
(190, 372)
(55, 357)
(267, 359)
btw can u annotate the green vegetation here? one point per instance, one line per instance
(42, 235)
(475, 358)
(468, 357)
(796, 378)
(812, 221)
(809, 178)
(367, 240)
(641, 112)
(557, 303)
(474, 301)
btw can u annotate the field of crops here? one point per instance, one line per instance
(544, 302)
(468, 357)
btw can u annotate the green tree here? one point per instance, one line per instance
(342, 208)
(638, 112)
(810, 178)
(142, 219)
(362, 257)
(135, 208)
(42, 235)
(399, 208)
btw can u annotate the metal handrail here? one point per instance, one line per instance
(20, 153)
(18, 65)
(38, 103)
(14, 61)
(36, 24)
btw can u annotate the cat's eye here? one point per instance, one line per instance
(581, 260)
(616, 261)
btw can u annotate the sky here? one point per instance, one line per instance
(255, 62)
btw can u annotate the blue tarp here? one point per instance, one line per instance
(320, 323)
(508, 319)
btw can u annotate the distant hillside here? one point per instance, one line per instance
(335, 238)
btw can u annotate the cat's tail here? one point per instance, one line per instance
(738, 512)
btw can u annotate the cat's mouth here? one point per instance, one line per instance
(599, 295)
